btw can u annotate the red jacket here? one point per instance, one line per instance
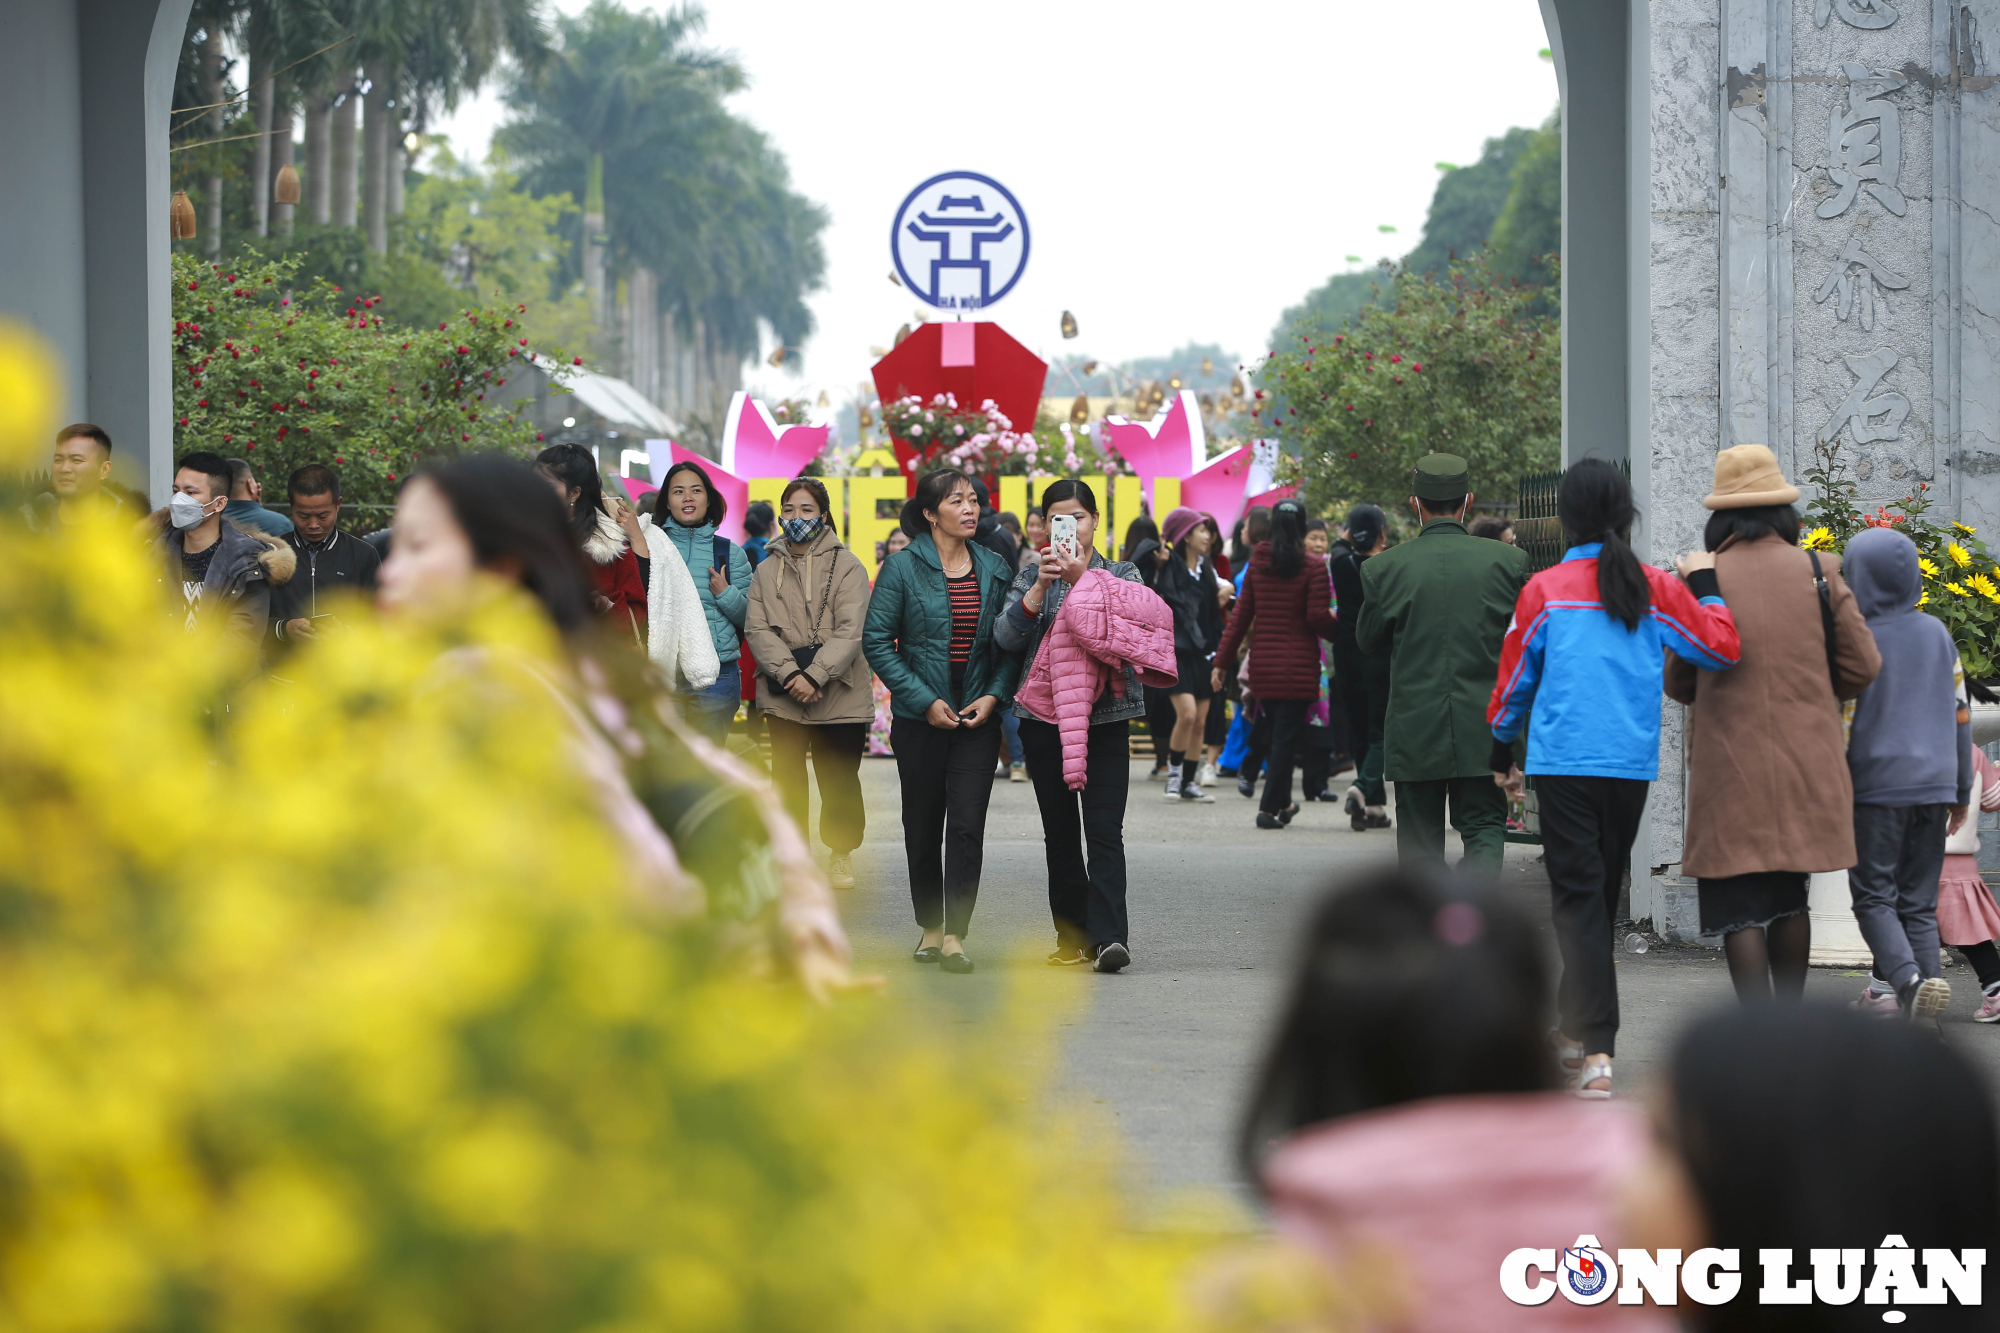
(1284, 640)
(614, 571)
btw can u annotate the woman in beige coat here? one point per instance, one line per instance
(807, 601)
(1769, 798)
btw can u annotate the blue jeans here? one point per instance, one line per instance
(710, 711)
(1010, 727)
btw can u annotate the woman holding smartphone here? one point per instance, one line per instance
(1086, 901)
(929, 636)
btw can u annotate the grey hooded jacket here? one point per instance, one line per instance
(1912, 739)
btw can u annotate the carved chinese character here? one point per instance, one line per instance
(1865, 142)
(1854, 277)
(1856, 13)
(1861, 410)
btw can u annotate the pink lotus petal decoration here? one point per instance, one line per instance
(754, 445)
(1218, 488)
(636, 487)
(1172, 444)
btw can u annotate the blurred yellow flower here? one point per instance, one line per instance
(1984, 586)
(1965, 528)
(408, 1054)
(1925, 598)
(1819, 539)
(1959, 555)
(1928, 565)
(1962, 592)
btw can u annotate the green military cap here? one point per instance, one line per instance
(1441, 477)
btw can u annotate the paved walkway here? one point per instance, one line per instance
(1166, 1049)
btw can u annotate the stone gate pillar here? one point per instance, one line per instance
(1824, 272)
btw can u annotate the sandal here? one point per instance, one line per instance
(1591, 1073)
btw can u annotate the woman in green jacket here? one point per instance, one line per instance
(929, 636)
(693, 509)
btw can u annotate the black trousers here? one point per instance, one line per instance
(836, 749)
(1160, 723)
(1361, 681)
(1087, 900)
(947, 779)
(1588, 825)
(1288, 724)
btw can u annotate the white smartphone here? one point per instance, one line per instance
(1062, 535)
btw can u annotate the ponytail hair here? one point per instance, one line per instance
(1595, 505)
(1288, 538)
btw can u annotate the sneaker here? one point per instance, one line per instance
(1246, 788)
(1877, 1004)
(1206, 775)
(1224, 773)
(1193, 792)
(1112, 957)
(1068, 957)
(1989, 1009)
(1357, 813)
(1926, 999)
(1173, 792)
(1265, 820)
(1018, 773)
(1000, 773)
(840, 870)
(1594, 1071)
(1289, 813)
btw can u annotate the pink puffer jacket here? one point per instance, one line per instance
(1104, 622)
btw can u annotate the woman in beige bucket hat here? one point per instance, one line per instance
(1769, 797)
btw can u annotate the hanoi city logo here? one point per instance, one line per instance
(960, 241)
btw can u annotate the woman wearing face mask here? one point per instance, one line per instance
(1087, 902)
(807, 601)
(618, 574)
(694, 509)
(929, 636)
(699, 830)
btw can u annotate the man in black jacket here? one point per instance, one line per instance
(329, 559)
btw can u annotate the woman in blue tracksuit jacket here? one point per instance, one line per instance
(1587, 650)
(692, 509)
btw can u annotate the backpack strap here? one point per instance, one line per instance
(1826, 622)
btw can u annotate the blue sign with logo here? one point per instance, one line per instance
(960, 241)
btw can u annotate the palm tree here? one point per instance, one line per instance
(694, 205)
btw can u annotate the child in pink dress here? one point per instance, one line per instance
(1968, 918)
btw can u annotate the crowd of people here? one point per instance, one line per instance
(1408, 1092)
(1831, 731)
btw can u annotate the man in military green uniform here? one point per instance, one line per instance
(1439, 605)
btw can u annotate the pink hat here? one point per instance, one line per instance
(1177, 524)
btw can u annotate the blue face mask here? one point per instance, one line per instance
(799, 531)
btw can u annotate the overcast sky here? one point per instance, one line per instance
(1188, 170)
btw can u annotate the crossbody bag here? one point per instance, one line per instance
(802, 656)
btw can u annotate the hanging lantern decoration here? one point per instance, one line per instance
(1068, 325)
(1208, 365)
(867, 418)
(777, 358)
(1090, 367)
(1174, 381)
(1235, 386)
(180, 215)
(1079, 411)
(285, 189)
